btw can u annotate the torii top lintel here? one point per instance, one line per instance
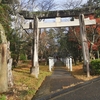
(60, 13)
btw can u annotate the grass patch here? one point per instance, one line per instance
(25, 85)
(2, 97)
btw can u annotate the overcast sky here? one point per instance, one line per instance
(83, 1)
(61, 2)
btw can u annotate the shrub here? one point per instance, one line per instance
(14, 56)
(95, 66)
(22, 57)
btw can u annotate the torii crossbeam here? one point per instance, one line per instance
(58, 23)
(60, 13)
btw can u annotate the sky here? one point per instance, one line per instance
(62, 2)
(83, 1)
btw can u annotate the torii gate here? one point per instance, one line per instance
(81, 22)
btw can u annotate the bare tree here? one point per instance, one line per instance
(72, 4)
(47, 5)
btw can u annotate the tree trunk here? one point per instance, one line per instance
(5, 62)
(3, 68)
(9, 66)
(98, 53)
(35, 68)
(84, 44)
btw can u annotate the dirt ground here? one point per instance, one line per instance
(79, 73)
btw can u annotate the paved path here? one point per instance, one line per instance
(87, 91)
(58, 81)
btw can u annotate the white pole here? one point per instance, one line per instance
(49, 64)
(70, 63)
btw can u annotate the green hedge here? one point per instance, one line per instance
(95, 66)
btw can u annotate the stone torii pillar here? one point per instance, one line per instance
(35, 65)
(84, 44)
